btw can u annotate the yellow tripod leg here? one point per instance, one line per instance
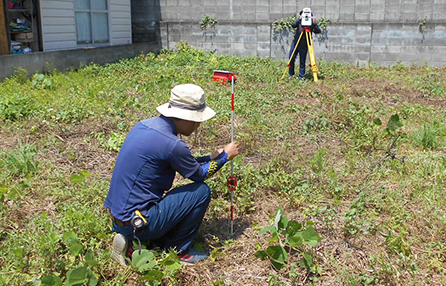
(313, 64)
(292, 55)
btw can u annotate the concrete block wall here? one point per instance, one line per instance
(389, 11)
(361, 31)
(64, 60)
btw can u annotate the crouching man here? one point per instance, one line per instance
(144, 172)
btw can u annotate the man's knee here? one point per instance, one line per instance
(206, 189)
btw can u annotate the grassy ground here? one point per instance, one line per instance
(358, 157)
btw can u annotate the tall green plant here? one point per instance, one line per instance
(393, 133)
(289, 235)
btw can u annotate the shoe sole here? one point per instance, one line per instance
(119, 246)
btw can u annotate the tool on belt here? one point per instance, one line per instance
(139, 222)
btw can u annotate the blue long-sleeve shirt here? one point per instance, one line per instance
(146, 165)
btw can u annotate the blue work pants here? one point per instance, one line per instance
(174, 221)
(302, 52)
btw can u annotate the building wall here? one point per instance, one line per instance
(361, 31)
(59, 27)
(121, 22)
(65, 60)
(146, 17)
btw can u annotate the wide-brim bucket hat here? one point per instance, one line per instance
(187, 101)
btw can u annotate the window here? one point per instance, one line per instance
(91, 21)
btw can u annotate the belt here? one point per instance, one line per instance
(120, 222)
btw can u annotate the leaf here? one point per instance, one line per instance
(77, 276)
(90, 259)
(278, 255)
(310, 236)
(92, 280)
(172, 264)
(51, 280)
(283, 223)
(70, 237)
(394, 122)
(268, 228)
(274, 237)
(84, 173)
(296, 241)
(215, 253)
(46, 82)
(277, 252)
(76, 179)
(101, 235)
(143, 261)
(307, 261)
(261, 254)
(377, 121)
(278, 264)
(3, 191)
(38, 76)
(13, 194)
(15, 191)
(76, 248)
(293, 226)
(69, 234)
(278, 217)
(153, 275)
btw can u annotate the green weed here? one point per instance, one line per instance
(284, 24)
(20, 162)
(430, 136)
(207, 21)
(289, 235)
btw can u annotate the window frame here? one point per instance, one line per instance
(91, 12)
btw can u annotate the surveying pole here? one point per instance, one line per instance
(313, 65)
(232, 180)
(231, 183)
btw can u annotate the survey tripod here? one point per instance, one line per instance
(313, 64)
